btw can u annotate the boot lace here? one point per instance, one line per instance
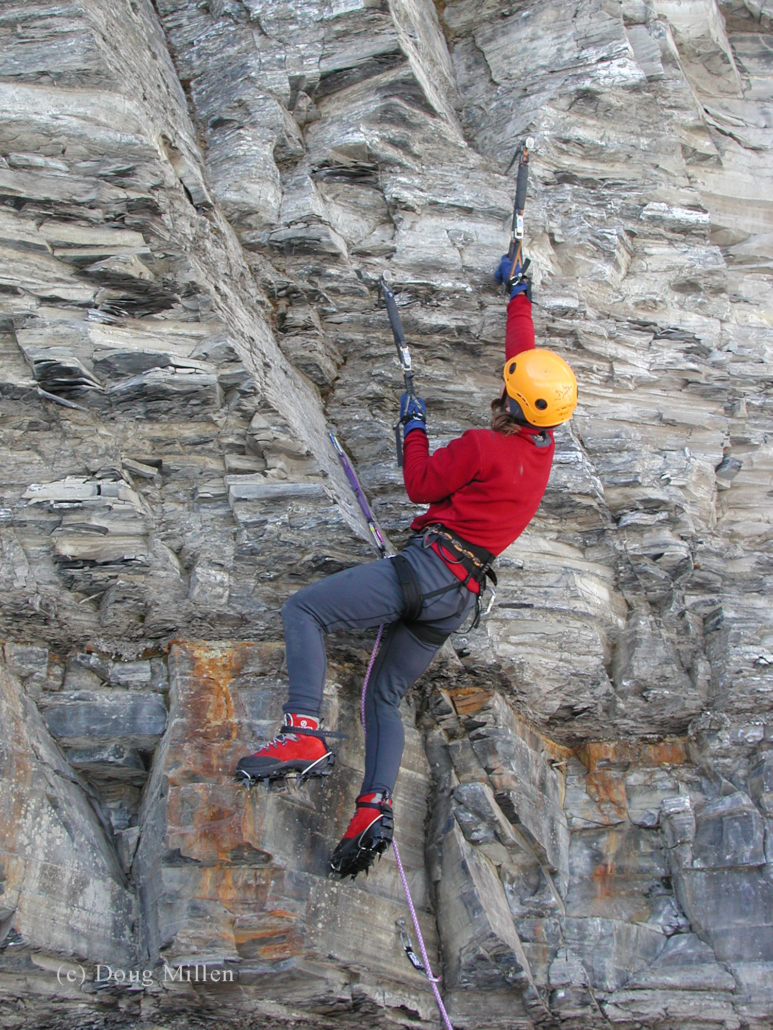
(280, 738)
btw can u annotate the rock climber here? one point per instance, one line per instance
(482, 490)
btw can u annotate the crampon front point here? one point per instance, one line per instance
(369, 834)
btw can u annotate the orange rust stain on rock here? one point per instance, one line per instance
(468, 700)
(201, 806)
(269, 924)
(271, 934)
(197, 761)
(18, 776)
(603, 877)
(607, 788)
(666, 752)
(250, 829)
(212, 708)
(539, 742)
(203, 821)
(557, 751)
(270, 945)
(279, 951)
(271, 939)
(594, 755)
(603, 754)
(599, 753)
(233, 887)
(217, 883)
(281, 913)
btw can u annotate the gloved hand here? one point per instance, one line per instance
(413, 413)
(502, 275)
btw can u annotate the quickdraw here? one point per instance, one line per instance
(407, 943)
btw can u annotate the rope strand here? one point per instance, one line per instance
(419, 936)
(379, 541)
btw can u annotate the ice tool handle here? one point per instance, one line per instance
(515, 250)
(403, 356)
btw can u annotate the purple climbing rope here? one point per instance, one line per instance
(369, 670)
(425, 958)
(379, 541)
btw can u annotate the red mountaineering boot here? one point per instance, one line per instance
(369, 834)
(299, 747)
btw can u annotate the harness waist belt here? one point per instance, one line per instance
(475, 560)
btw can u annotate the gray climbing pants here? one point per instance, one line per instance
(360, 598)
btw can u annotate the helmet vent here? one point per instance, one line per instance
(541, 404)
(511, 369)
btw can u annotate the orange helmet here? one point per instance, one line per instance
(544, 386)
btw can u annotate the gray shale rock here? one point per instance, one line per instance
(132, 719)
(197, 203)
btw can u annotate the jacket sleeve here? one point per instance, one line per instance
(519, 335)
(430, 479)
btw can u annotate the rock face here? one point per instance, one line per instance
(197, 202)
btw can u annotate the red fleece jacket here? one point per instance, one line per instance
(484, 486)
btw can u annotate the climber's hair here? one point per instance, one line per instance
(501, 419)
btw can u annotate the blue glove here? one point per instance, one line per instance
(413, 413)
(502, 275)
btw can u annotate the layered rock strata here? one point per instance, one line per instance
(198, 203)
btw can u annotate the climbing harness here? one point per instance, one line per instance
(414, 598)
(515, 250)
(404, 357)
(476, 562)
(411, 587)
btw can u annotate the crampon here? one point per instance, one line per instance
(369, 834)
(299, 750)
